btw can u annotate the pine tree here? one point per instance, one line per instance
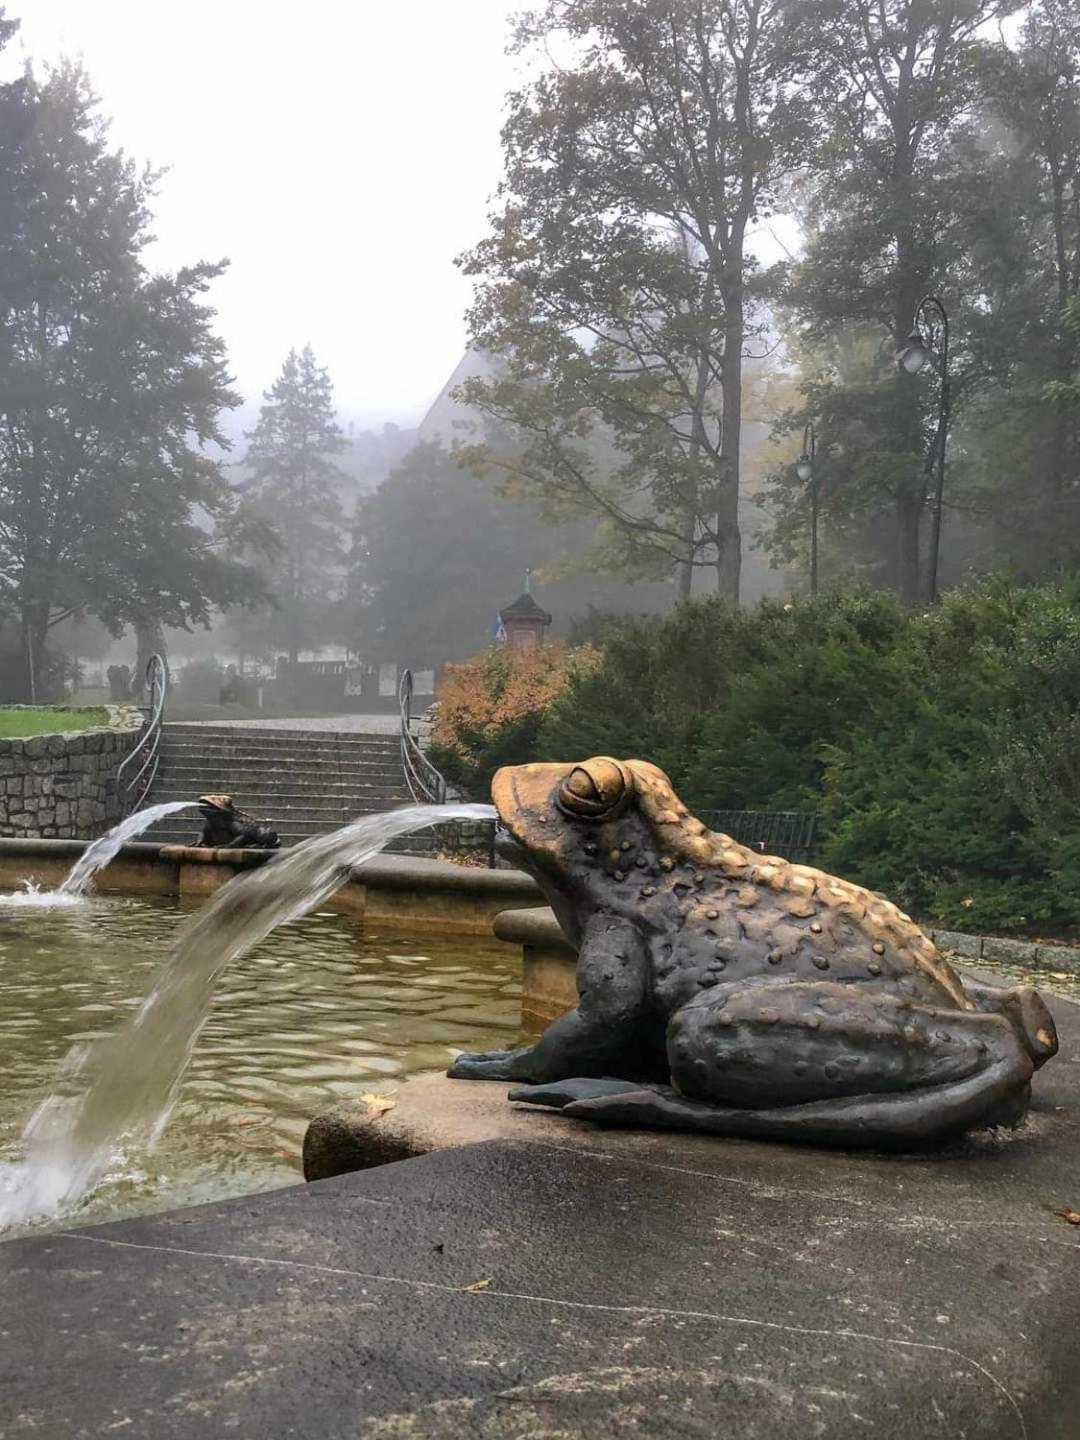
(294, 486)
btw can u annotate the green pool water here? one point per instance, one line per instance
(322, 1010)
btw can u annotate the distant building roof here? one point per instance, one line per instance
(447, 419)
(525, 608)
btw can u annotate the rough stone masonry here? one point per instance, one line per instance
(64, 785)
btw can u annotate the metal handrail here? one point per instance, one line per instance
(134, 792)
(426, 784)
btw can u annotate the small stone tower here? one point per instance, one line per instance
(524, 622)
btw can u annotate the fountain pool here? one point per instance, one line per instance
(324, 1010)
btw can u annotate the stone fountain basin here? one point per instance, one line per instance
(412, 892)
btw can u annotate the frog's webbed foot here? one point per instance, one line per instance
(561, 1093)
(489, 1065)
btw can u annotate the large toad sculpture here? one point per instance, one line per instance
(730, 992)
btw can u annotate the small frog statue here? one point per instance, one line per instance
(737, 994)
(227, 828)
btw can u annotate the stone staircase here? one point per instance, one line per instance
(301, 782)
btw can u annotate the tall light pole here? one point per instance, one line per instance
(804, 468)
(912, 357)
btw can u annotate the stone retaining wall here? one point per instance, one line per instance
(64, 785)
(1026, 954)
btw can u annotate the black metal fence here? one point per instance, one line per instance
(789, 833)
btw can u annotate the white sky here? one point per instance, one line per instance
(339, 152)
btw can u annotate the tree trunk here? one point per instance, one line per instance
(149, 641)
(909, 512)
(728, 534)
(29, 680)
(684, 570)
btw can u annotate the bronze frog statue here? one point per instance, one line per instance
(738, 994)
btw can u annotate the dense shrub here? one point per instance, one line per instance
(739, 706)
(941, 750)
(491, 707)
(962, 800)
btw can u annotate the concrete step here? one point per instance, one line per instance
(191, 771)
(272, 811)
(422, 842)
(277, 739)
(300, 782)
(314, 755)
(282, 782)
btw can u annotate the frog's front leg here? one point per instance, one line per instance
(602, 1036)
(834, 1064)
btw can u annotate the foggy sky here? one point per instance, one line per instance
(340, 153)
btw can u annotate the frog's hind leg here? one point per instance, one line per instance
(829, 1064)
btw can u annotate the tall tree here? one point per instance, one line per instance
(111, 384)
(1035, 90)
(895, 81)
(616, 285)
(293, 485)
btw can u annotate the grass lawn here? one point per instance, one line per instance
(16, 723)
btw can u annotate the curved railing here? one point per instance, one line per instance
(426, 785)
(134, 788)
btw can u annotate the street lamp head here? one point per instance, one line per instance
(804, 467)
(913, 354)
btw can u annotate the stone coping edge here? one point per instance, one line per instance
(531, 927)
(394, 872)
(49, 849)
(539, 927)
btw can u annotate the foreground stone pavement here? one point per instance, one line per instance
(590, 1284)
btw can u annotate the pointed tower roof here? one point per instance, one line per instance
(525, 608)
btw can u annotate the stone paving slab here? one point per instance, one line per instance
(504, 1290)
(604, 1284)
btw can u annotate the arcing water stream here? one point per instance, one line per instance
(94, 858)
(122, 1088)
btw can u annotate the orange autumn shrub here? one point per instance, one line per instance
(490, 709)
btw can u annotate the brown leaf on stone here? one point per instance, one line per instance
(377, 1104)
(1071, 1217)
(477, 1286)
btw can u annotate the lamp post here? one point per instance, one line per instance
(804, 468)
(912, 357)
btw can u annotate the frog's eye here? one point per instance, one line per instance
(595, 789)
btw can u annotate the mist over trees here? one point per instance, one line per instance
(436, 555)
(950, 167)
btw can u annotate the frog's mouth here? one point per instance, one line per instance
(506, 846)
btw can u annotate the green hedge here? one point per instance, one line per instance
(941, 750)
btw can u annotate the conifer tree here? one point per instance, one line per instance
(294, 486)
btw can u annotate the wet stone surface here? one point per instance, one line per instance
(596, 1284)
